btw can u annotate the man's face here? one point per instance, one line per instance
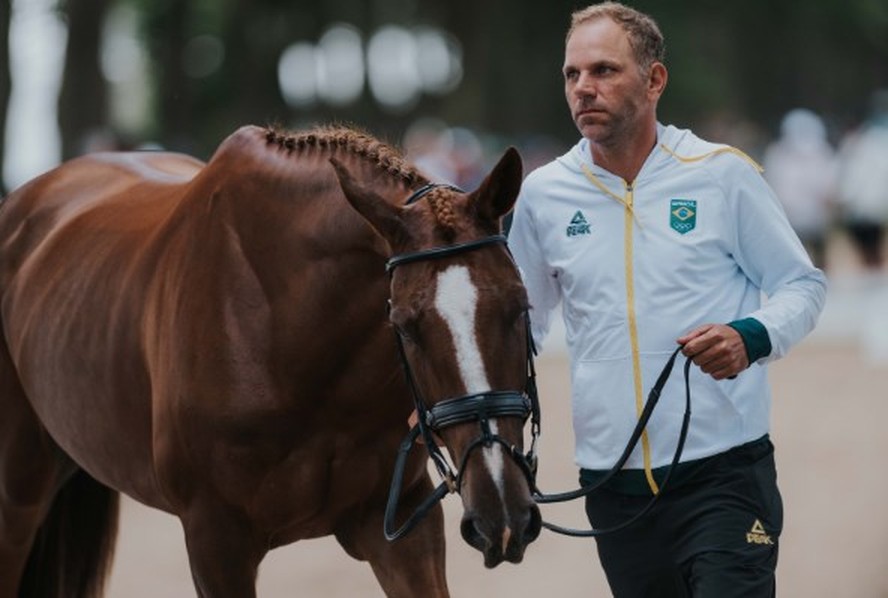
(606, 91)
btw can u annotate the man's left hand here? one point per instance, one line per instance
(717, 349)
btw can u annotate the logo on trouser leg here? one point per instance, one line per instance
(758, 535)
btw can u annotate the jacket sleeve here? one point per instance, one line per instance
(543, 290)
(769, 252)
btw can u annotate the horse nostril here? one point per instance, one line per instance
(534, 525)
(471, 534)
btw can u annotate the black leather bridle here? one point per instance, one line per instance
(481, 407)
(476, 407)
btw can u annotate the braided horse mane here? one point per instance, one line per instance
(364, 146)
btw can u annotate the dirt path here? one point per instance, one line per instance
(830, 413)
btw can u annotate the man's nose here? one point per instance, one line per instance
(585, 86)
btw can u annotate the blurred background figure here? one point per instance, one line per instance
(453, 155)
(469, 157)
(427, 143)
(801, 166)
(863, 183)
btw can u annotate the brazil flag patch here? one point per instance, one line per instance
(683, 215)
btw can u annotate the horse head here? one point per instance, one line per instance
(460, 312)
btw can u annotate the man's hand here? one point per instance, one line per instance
(717, 349)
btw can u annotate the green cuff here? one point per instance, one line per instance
(755, 337)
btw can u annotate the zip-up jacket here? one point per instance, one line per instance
(697, 238)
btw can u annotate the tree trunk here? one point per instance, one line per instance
(83, 100)
(5, 81)
(254, 41)
(168, 31)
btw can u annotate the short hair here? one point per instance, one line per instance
(644, 34)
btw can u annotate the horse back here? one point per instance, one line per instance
(76, 261)
(220, 318)
(100, 195)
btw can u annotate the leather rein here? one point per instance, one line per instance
(641, 424)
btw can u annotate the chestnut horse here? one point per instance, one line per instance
(212, 340)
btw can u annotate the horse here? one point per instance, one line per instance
(212, 340)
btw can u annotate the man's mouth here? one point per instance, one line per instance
(587, 112)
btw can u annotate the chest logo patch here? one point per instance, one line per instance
(683, 215)
(578, 225)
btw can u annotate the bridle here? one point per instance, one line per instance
(480, 407)
(476, 407)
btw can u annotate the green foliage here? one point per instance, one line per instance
(737, 61)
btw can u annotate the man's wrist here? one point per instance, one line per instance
(755, 338)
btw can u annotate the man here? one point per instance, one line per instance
(801, 167)
(650, 236)
(863, 183)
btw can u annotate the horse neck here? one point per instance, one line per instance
(286, 210)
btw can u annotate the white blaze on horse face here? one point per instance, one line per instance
(456, 300)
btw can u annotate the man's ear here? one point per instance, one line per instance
(657, 80)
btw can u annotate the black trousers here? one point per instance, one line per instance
(713, 535)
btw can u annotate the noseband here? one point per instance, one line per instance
(477, 407)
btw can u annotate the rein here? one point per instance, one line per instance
(477, 407)
(652, 400)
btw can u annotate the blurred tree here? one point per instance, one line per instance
(83, 99)
(165, 28)
(5, 80)
(255, 35)
(214, 63)
(513, 54)
(214, 66)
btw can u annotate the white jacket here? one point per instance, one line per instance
(863, 182)
(697, 238)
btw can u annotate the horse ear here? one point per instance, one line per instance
(498, 192)
(382, 216)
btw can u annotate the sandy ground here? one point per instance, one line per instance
(830, 411)
(829, 417)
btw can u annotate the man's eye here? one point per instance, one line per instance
(570, 75)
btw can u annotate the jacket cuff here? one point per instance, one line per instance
(755, 338)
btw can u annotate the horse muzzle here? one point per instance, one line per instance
(502, 541)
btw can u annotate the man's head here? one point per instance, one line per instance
(613, 73)
(644, 34)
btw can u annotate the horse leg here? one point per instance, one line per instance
(410, 566)
(27, 476)
(27, 485)
(223, 551)
(57, 524)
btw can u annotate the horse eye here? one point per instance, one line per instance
(516, 310)
(405, 322)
